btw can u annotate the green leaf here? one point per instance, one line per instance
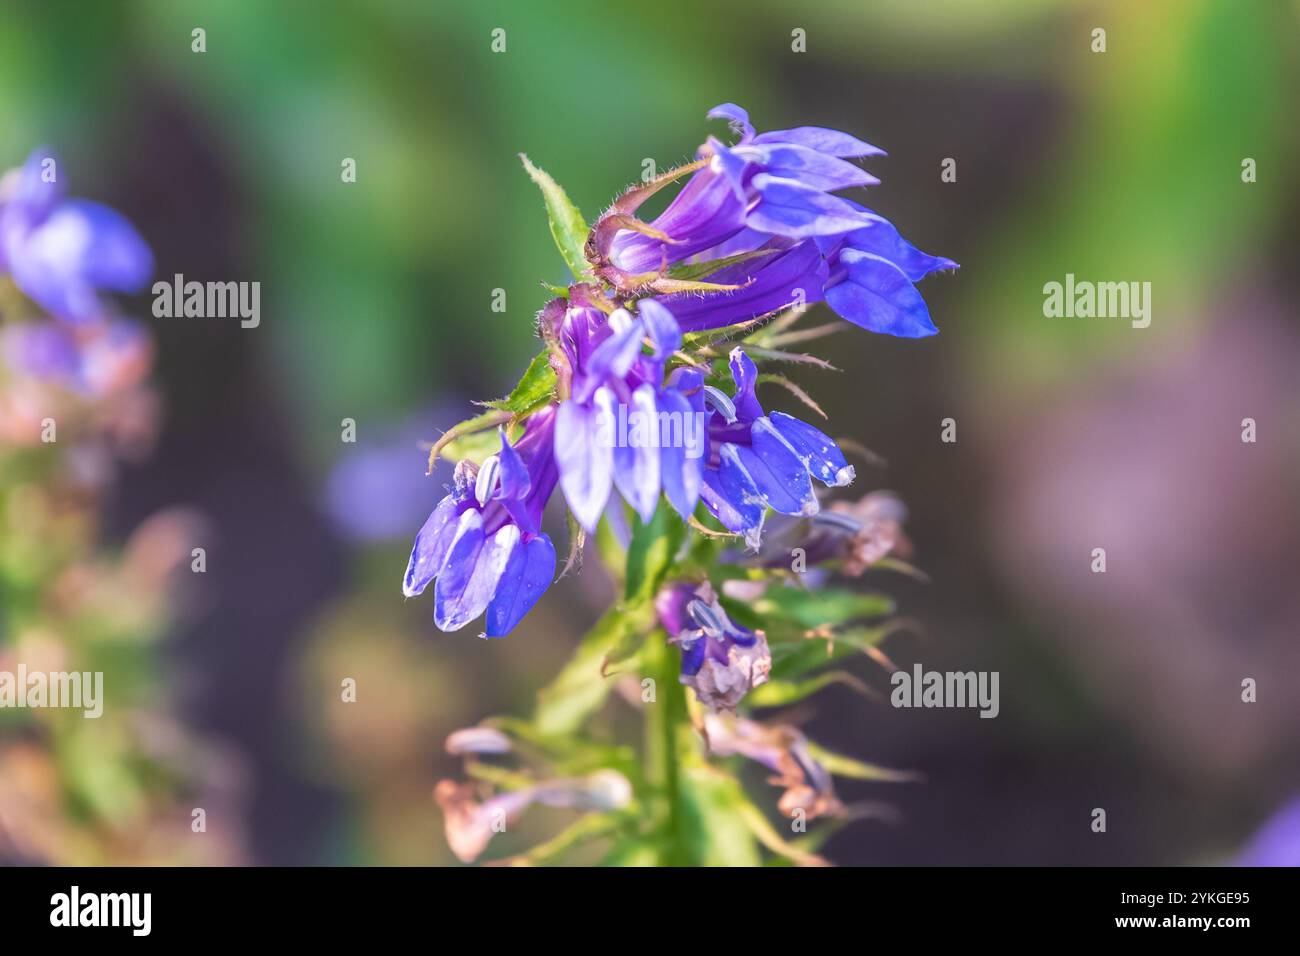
(579, 689)
(470, 426)
(779, 693)
(821, 608)
(698, 270)
(651, 551)
(771, 838)
(855, 769)
(568, 228)
(713, 832)
(791, 658)
(535, 389)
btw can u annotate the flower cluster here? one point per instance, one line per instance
(761, 222)
(713, 511)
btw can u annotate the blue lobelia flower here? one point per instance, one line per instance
(483, 543)
(770, 198)
(762, 460)
(62, 252)
(607, 433)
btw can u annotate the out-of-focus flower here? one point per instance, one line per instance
(93, 360)
(483, 543)
(470, 823)
(858, 533)
(1278, 841)
(63, 252)
(721, 660)
(784, 751)
(477, 740)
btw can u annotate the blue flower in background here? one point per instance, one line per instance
(63, 252)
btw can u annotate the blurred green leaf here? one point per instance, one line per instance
(579, 689)
(712, 830)
(650, 552)
(823, 607)
(842, 766)
(779, 693)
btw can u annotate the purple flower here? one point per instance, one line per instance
(62, 252)
(1278, 842)
(763, 460)
(771, 197)
(607, 434)
(784, 751)
(483, 543)
(721, 660)
(92, 360)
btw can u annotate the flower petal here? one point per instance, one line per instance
(680, 464)
(818, 451)
(584, 454)
(787, 207)
(529, 571)
(781, 477)
(462, 591)
(879, 297)
(431, 544)
(636, 459)
(829, 141)
(738, 118)
(730, 493)
(808, 166)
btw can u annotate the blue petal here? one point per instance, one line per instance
(732, 496)
(613, 357)
(745, 374)
(35, 191)
(738, 118)
(515, 480)
(789, 208)
(528, 573)
(680, 465)
(693, 654)
(733, 167)
(807, 166)
(781, 477)
(430, 548)
(460, 594)
(661, 327)
(879, 297)
(818, 451)
(636, 460)
(883, 240)
(584, 454)
(829, 141)
(80, 247)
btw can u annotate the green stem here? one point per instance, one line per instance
(664, 717)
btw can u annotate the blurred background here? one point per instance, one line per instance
(1119, 690)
